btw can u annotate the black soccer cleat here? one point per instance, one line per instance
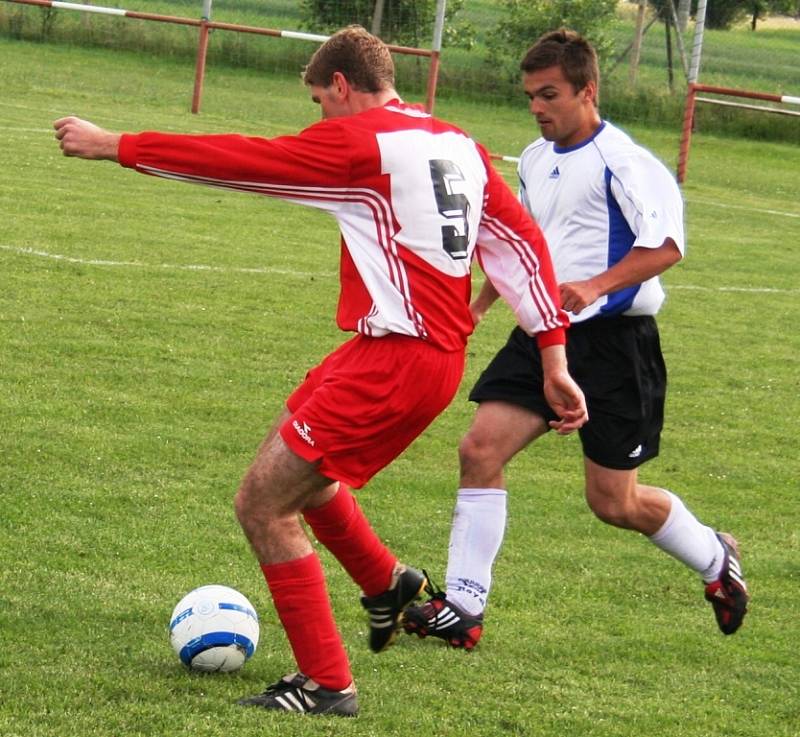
(441, 618)
(298, 693)
(728, 594)
(386, 610)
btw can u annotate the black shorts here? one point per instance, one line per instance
(617, 362)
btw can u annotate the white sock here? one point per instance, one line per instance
(692, 543)
(479, 523)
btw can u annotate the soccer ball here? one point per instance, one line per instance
(214, 628)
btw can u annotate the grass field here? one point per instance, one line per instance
(149, 332)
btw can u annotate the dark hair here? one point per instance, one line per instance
(568, 50)
(362, 58)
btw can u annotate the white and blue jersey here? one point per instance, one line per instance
(597, 200)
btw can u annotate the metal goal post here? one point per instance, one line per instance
(205, 24)
(695, 95)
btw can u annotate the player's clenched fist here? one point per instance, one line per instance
(86, 140)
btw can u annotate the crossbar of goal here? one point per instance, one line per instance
(692, 98)
(205, 25)
(743, 106)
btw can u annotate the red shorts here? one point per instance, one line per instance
(367, 401)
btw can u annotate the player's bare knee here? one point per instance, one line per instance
(610, 510)
(478, 461)
(241, 505)
(248, 502)
(260, 521)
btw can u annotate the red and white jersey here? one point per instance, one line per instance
(414, 198)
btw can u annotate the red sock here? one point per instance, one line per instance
(301, 599)
(341, 526)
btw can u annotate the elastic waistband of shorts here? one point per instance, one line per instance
(613, 322)
(402, 338)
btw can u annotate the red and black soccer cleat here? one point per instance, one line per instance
(728, 594)
(439, 617)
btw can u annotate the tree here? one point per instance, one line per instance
(526, 20)
(722, 14)
(663, 8)
(760, 9)
(404, 22)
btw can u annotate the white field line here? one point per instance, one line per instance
(50, 111)
(748, 290)
(167, 267)
(12, 129)
(305, 274)
(711, 203)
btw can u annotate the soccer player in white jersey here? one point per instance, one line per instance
(613, 218)
(415, 198)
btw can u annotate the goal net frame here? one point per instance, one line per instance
(696, 93)
(205, 24)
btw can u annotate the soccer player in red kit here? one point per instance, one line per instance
(415, 198)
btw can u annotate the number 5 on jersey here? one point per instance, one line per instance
(454, 206)
(437, 188)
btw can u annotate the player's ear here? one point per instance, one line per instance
(590, 92)
(340, 85)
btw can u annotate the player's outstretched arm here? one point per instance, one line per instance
(562, 393)
(86, 140)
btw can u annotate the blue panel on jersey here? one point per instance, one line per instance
(620, 241)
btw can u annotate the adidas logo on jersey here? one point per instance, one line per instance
(555, 174)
